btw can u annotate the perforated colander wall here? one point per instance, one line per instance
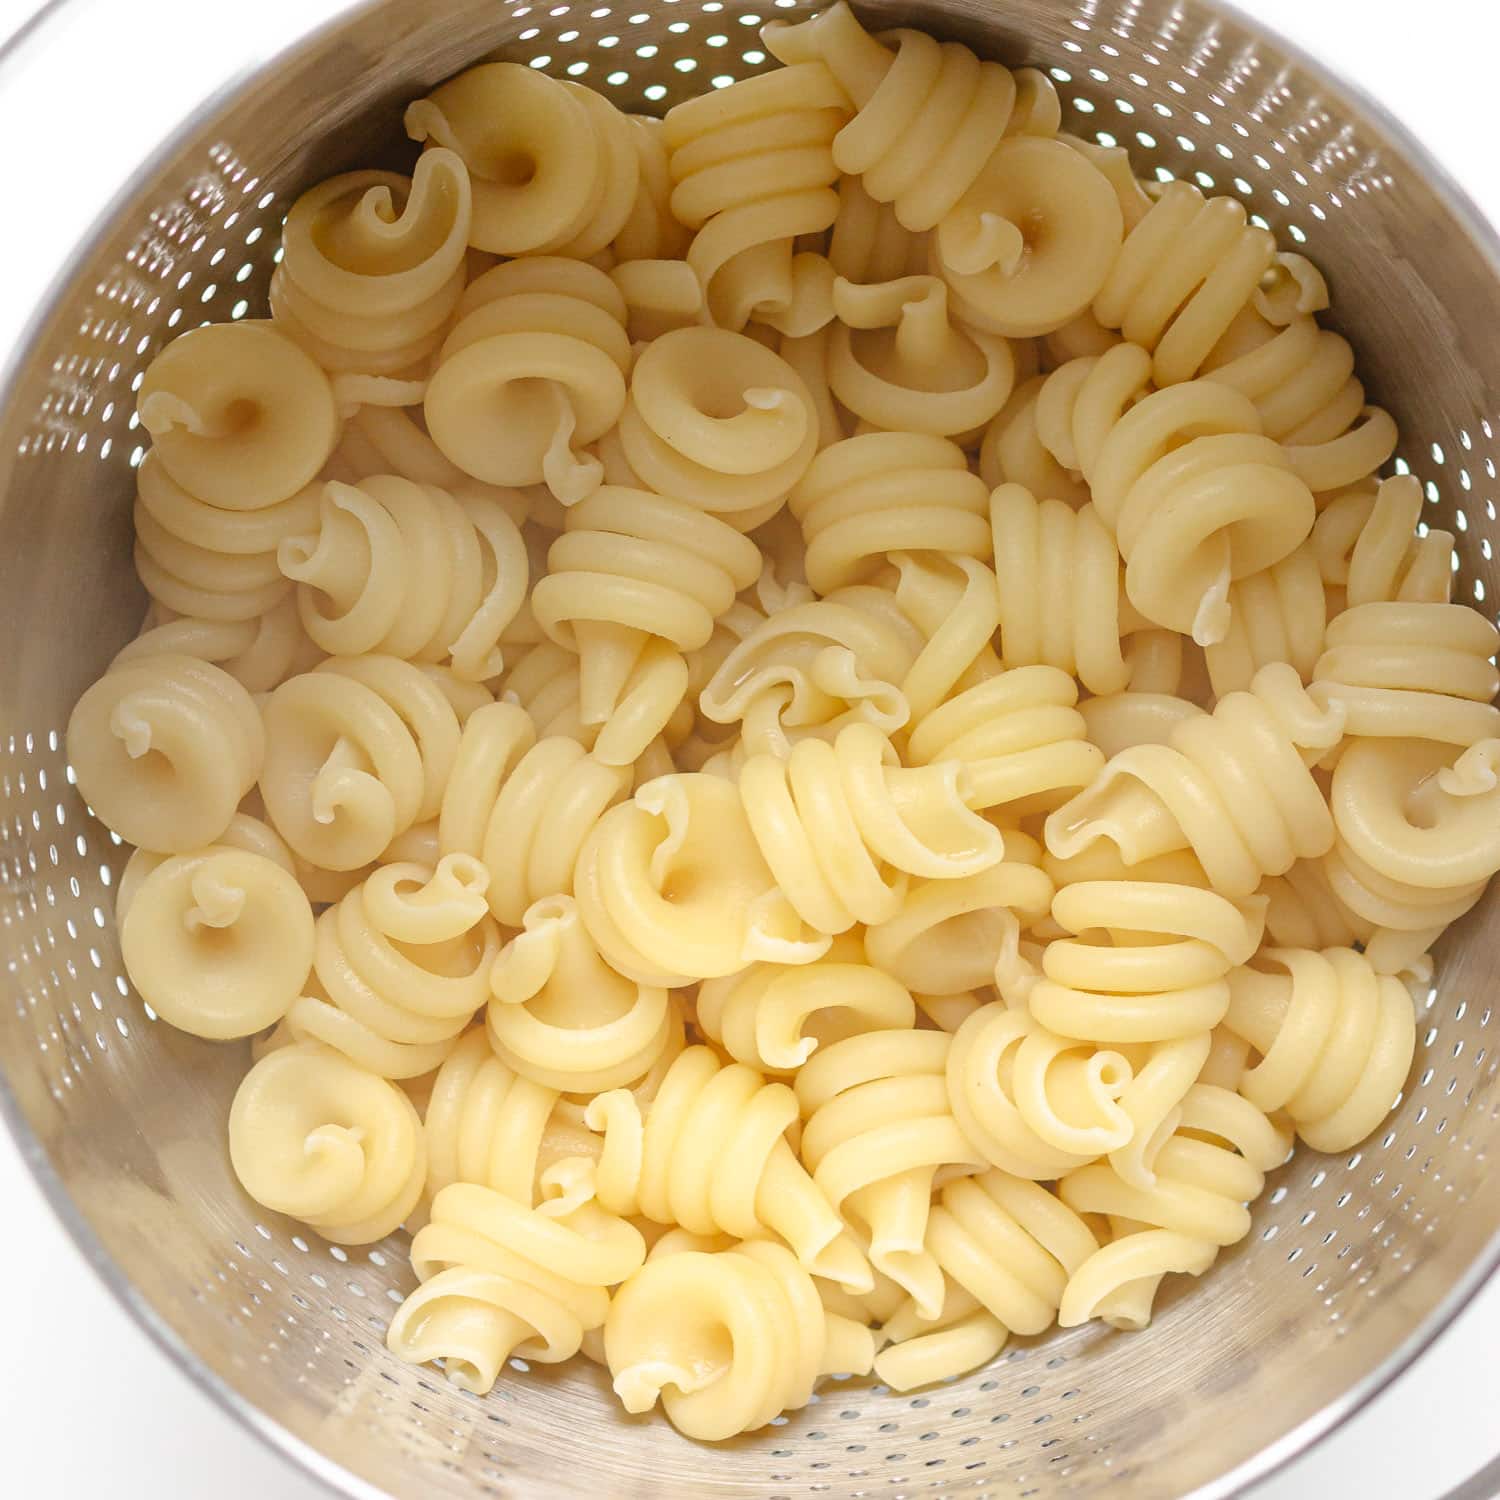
(1349, 1254)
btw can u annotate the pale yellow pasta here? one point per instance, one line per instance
(259, 654)
(239, 416)
(532, 372)
(632, 569)
(1029, 245)
(554, 166)
(1119, 1282)
(372, 265)
(1195, 792)
(1335, 1040)
(499, 1278)
(753, 170)
(919, 1351)
(773, 1017)
(673, 887)
(719, 421)
(928, 114)
(650, 231)
(1183, 275)
(841, 826)
(409, 570)
(1063, 601)
(560, 1016)
(1019, 738)
(660, 295)
(877, 1130)
(887, 492)
(1120, 720)
(1012, 451)
(710, 1153)
(1278, 614)
(164, 747)
(1367, 545)
(726, 1340)
(900, 361)
(808, 357)
(314, 1135)
(868, 242)
(400, 966)
(219, 942)
(523, 806)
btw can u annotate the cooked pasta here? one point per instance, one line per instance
(259, 654)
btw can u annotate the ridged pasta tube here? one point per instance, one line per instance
(1335, 1041)
(164, 748)
(841, 826)
(1149, 962)
(1412, 671)
(726, 1339)
(928, 114)
(554, 166)
(1019, 737)
(357, 751)
(373, 265)
(898, 359)
(523, 806)
(1233, 786)
(753, 170)
(500, 1278)
(877, 1131)
(1183, 275)
(219, 943)
(634, 568)
(718, 421)
(532, 372)
(239, 416)
(673, 887)
(560, 1016)
(401, 965)
(887, 492)
(774, 1017)
(409, 570)
(1062, 600)
(313, 1135)
(711, 1154)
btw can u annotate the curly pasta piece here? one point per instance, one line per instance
(1233, 786)
(1367, 545)
(560, 1016)
(373, 265)
(842, 825)
(219, 943)
(1301, 379)
(1412, 671)
(259, 654)
(650, 231)
(239, 416)
(499, 1278)
(718, 421)
(1029, 245)
(900, 361)
(631, 569)
(1012, 450)
(869, 243)
(660, 295)
(1335, 1040)
(726, 1339)
(1062, 597)
(928, 115)
(532, 372)
(409, 570)
(1183, 275)
(877, 1130)
(401, 965)
(164, 748)
(554, 166)
(887, 492)
(1278, 614)
(774, 1017)
(753, 170)
(673, 887)
(313, 1135)
(711, 1154)
(1121, 720)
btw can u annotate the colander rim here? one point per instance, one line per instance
(296, 1452)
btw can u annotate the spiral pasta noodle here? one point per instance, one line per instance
(373, 265)
(1369, 549)
(259, 654)
(1278, 614)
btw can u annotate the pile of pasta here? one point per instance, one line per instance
(802, 732)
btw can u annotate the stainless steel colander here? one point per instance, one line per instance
(1355, 1261)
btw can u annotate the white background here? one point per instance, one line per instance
(87, 1406)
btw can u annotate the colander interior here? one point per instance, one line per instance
(1352, 1257)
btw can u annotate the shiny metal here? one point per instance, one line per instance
(1355, 1262)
